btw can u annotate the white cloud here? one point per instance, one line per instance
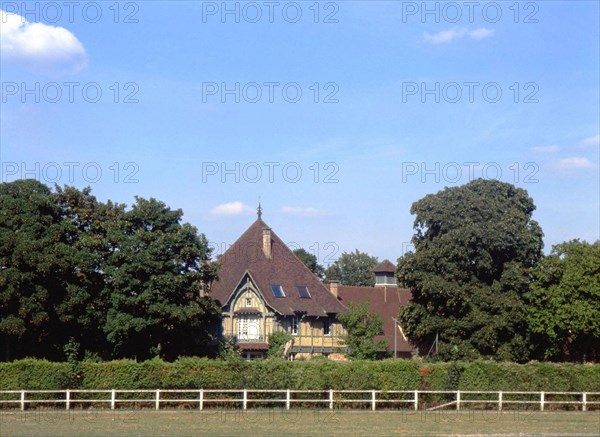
(230, 209)
(457, 33)
(574, 163)
(304, 212)
(40, 46)
(591, 141)
(545, 149)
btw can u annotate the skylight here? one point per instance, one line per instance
(303, 291)
(277, 291)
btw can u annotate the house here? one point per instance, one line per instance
(264, 288)
(385, 299)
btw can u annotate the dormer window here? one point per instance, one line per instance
(303, 292)
(385, 279)
(277, 291)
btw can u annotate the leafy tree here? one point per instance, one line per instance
(362, 327)
(156, 307)
(35, 258)
(354, 268)
(85, 304)
(310, 261)
(564, 303)
(475, 246)
(228, 350)
(85, 278)
(277, 342)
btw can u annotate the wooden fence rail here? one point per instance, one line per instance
(205, 398)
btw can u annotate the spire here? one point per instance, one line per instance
(259, 211)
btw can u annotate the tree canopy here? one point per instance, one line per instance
(564, 303)
(35, 266)
(362, 327)
(311, 262)
(475, 246)
(354, 268)
(113, 281)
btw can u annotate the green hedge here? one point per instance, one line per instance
(316, 374)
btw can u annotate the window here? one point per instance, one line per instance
(303, 291)
(277, 291)
(248, 302)
(294, 325)
(327, 326)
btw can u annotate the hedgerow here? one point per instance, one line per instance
(318, 374)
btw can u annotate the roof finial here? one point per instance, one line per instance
(259, 210)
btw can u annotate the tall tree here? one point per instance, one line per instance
(475, 246)
(35, 257)
(85, 305)
(564, 303)
(156, 307)
(362, 327)
(354, 268)
(311, 262)
(80, 275)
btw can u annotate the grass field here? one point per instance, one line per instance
(268, 422)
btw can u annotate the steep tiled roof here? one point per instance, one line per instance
(386, 302)
(384, 267)
(283, 268)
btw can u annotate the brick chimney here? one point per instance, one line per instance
(266, 246)
(333, 287)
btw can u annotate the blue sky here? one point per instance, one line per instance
(200, 108)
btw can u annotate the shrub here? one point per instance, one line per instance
(191, 372)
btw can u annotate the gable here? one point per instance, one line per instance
(282, 268)
(246, 298)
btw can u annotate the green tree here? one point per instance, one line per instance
(564, 303)
(82, 277)
(475, 246)
(354, 268)
(361, 328)
(35, 259)
(85, 304)
(155, 280)
(310, 261)
(277, 342)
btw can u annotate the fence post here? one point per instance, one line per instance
(542, 401)
(331, 399)
(499, 401)
(416, 400)
(373, 402)
(245, 403)
(22, 400)
(157, 399)
(67, 399)
(458, 400)
(584, 406)
(287, 399)
(112, 399)
(201, 399)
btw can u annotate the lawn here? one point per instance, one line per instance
(259, 422)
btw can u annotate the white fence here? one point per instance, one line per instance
(201, 398)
